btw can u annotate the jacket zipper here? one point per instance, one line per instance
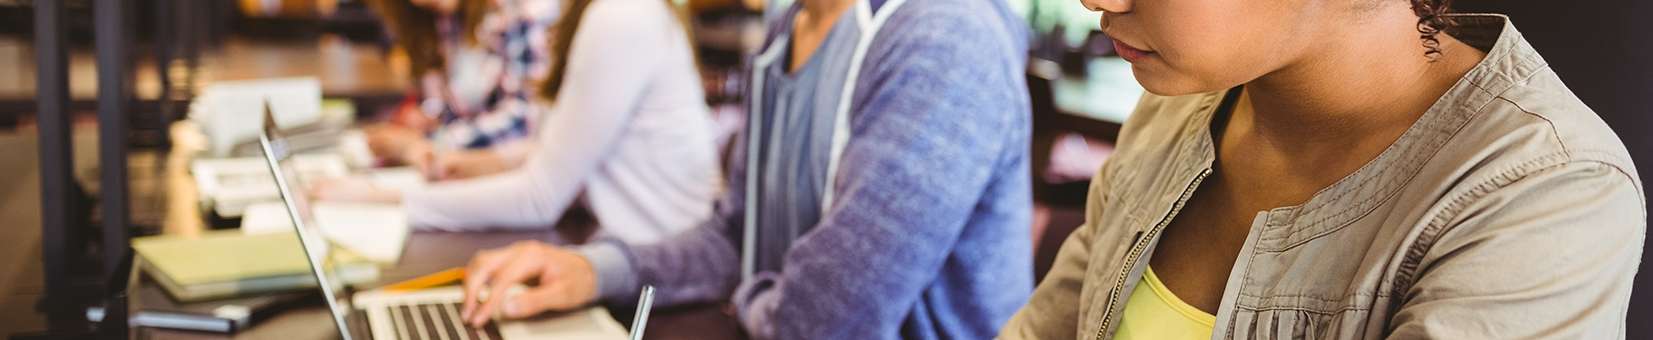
(1140, 245)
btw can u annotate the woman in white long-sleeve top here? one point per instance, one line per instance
(628, 131)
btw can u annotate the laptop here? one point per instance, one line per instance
(431, 314)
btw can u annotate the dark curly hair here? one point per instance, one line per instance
(1432, 20)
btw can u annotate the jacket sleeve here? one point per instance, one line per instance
(1053, 311)
(1545, 255)
(697, 265)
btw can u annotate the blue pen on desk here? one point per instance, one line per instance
(640, 320)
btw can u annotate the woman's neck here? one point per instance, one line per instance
(1363, 79)
(1326, 115)
(1357, 85)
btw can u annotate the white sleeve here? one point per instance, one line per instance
(609, 68)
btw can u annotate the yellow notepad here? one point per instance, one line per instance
(229, 263)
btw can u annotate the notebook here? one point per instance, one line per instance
(229, 263)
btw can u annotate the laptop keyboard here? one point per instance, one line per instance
(436, 321)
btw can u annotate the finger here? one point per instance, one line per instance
(482, 268)
(496, 291)
(566, 280)
(442, 166)
(332, 190)
(317, 192)
(534, 301)
(430, 164)
(479, 272)
(476, 277)
(516, 272)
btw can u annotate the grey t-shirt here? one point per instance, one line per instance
(796, 118)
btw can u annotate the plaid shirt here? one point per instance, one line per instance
(491, 99)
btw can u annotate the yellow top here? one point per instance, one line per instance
(1153, 312)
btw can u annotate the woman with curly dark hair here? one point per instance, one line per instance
(1345, 169)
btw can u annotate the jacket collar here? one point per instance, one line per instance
(1509, 61)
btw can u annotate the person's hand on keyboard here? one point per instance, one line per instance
(565, 280)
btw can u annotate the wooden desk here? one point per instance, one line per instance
(431, 252)
(426, 252)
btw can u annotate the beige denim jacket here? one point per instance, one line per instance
(1509, 210)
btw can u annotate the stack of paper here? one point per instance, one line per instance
(374, 231)
(229, 185)
(229, 112)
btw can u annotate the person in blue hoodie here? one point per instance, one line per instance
(879, 191)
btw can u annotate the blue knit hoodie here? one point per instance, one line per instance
(927, 234)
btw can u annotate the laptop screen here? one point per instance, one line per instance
(277, 155)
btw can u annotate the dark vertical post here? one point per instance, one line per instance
(114, 104)
(114, 57)
(56, 159)
(164, 39)
(193, 24)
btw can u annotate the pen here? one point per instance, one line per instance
(436, 279)
(640, 320)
